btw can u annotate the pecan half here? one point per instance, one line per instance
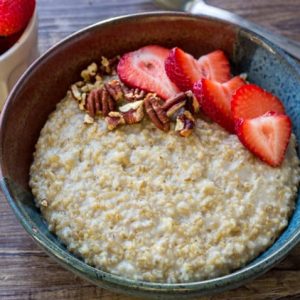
(133, 112)
(114, 119)
(185, 123)
(153, 106)
(115, 90)
(99, 100)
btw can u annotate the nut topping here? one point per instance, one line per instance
(75, 92)
(99, 101)
(114, 119)
(192, 103)
(133, 112)
(185, 123)
(133, 94)
(114, 88)
(172, 105)
(153, 106)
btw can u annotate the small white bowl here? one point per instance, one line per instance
(16, 59)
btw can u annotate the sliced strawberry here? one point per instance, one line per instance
(251, 101)
(215, 66)
(215, 98)
(266, 136)
(145, 69)
(14, 15)
(182, 68)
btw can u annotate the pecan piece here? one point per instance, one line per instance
(76, 93)
(132, 95)
(108, 66)
(174, 104)
(93, 103)
(90, 72)
(114, 119)
(99, 100)
(114, 88)
(153, 106)
(133, 112)
(185, 123)
(192, 103)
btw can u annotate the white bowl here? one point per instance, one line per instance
(15, 60)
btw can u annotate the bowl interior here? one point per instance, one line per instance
(47, 81)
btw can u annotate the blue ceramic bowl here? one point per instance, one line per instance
(47, 81)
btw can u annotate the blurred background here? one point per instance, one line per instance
(58, 18)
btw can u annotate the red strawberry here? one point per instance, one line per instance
(14, 15)
(215, 66)
(184, 70)
(251, 101)
(145, 69)
(266, 136)
(215, 98)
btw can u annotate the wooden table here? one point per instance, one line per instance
(25, 271)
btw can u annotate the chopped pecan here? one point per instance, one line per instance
(75, 91)
(192, 103)
(172, 105)
(115, 90)
(108, 66)
(90, 72)
(99, 100)
(114, 119)
(185, 123)
(132, 95)
(153, 106)
(132, 112)
(88, 119)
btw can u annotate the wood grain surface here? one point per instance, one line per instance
(25, 271)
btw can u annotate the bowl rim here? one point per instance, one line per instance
(225, 282)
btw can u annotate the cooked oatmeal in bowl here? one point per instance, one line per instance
(151, 189)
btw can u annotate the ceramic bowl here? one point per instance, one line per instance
(15, 60)
(37, 93)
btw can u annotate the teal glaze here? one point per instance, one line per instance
(266, 66)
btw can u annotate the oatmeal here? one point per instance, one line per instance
(151, 205)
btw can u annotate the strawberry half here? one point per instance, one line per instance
(266, 136)
(184, 70)
(251, 101)
(215, 66)
(215, 99)
(14, 15)
(145, 69)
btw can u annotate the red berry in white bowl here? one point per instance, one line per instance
(15, 15)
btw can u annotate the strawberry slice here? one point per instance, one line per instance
(14, 15)
(215, 99)
(184, 70)
(215, 66)
(251, 101)
(266, 136)
(145, 69)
